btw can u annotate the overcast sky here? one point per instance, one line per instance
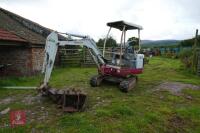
(161, 19)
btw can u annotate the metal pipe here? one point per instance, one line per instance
(75, 35)
(139, 42)
(120, 61)
(104, 45)
(19, 87)
(124, 38)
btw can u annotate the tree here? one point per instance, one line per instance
(190, 42)
(111, 42)
(133, 41)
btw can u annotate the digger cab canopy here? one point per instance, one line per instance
(120, 25)
(123, 26)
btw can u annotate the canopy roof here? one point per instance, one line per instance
(120, 24)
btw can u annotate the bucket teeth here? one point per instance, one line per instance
(70, 100)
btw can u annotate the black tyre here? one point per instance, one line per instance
(95, 81)
(124, 86)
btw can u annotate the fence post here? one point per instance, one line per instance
(195, 54)
(198, 63)
(195, 41)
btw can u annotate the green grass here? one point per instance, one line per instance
(109, 110)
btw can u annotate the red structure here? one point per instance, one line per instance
(17, 118)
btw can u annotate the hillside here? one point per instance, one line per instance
(190, 42)
(153, 43)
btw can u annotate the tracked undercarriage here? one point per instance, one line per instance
(125, 84)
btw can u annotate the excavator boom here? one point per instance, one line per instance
(51, 48)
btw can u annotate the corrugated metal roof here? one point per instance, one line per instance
(8, 36)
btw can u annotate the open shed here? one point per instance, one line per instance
(21, 45)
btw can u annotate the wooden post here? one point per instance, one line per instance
(195, 54)
(84, 55)
(198, 63)
(195, 41)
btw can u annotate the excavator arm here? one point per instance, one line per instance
(51, 48)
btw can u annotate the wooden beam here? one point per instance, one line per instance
(195, 41)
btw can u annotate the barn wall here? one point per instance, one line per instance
(23, 59)
(37, 59)
(19, 59)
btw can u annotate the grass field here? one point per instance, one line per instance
(143, 110)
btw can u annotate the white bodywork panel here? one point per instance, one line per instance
(139, 61)
(50, 55)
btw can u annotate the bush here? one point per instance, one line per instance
(170, 54)
(146, 60)
(186, 56)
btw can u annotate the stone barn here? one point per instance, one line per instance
(21, 45)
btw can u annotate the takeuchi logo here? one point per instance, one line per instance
(51, 40)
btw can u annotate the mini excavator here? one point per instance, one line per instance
(123, 68)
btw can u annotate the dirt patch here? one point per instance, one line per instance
(176, 121)
(176, 87)
(29, 99)
(176, 124)
(6, 100)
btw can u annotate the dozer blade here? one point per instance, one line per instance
(128, 84)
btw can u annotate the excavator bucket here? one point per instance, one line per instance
(70, 100)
